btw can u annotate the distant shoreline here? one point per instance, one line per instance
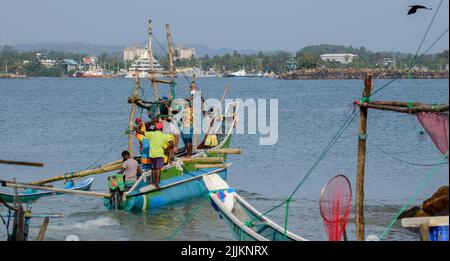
(352, 73)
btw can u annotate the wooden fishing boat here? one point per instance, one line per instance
(244, 221)
(179, 181)
(31, 195)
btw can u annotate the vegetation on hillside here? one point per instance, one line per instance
(277, 61)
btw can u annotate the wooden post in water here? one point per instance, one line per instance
(42, 230)
(170, 59)
(359, 215)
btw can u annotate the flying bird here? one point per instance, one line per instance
(414, 8)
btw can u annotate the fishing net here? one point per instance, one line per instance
(335, 205)
(436, 125)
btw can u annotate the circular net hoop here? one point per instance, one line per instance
(335, 206)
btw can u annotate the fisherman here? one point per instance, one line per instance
(211, 137)
(141, 125)
(187, 129)
(170, 128)
(130, 169)
(159, 143)
(164, 107)
(144, 144)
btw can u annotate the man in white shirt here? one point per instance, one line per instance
(130, 169)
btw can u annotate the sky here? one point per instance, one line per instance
(379, 25)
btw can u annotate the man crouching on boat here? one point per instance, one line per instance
(159, 142)
(130, 169)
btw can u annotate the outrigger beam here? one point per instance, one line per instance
(79, 192)
(102, 169)
(24, 163)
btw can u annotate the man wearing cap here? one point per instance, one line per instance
(159, 143)
(144, 144)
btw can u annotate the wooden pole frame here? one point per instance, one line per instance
(359, 199)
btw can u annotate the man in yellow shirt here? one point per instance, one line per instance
(159, 143)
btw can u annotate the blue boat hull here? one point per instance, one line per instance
(189, 185)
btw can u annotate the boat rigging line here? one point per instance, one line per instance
(408, 162)
(177, 61)
(411, 67)
(415, 59)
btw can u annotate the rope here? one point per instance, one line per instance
(179, 64)
(417, 52)
(286, 216)
(419, 188)
(410, 68)
(410, 163)
(339, 133)
(188, 219)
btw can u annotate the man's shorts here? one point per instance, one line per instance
(157, 163)
(187, 135)
(187, 138)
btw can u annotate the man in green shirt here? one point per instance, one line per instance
(159, 144)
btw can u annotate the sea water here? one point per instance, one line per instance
(72, 124)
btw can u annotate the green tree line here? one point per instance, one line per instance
(276, 61)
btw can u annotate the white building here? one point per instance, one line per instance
(184, 52)
(48, 62)
(344, 58)
(132, 52)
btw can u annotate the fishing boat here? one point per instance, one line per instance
(240, 73)
(31, 195)
(244, 221)
(179, 181)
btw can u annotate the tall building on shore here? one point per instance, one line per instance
(182, 52)
(132, 52)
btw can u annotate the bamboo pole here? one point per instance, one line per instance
(70, 191)
(42, 230)
(207, 166)
(359, 213)
(150, 59)
(398, 108)
(211, 160)
(132, 111)
(25, 163)
(162, 81)
(225, 151)
(170, 59)
(84, 173)
(2, 181)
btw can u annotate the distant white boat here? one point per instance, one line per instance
(240, 73)
(143, 66)
(244, 73)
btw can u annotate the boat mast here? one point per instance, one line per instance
(134, 97)
(150, 59)
(170, 59)
(359, 213)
